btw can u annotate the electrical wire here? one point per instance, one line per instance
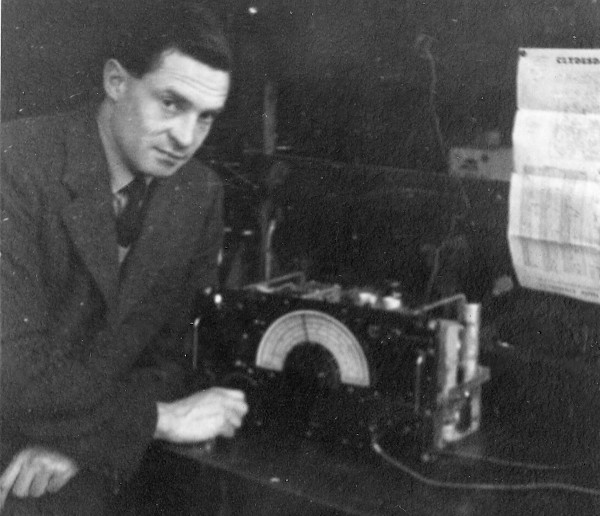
(532, 486)
(436, 267)
(230, 170)
(423, 44)
(514, 464)
(435, 270)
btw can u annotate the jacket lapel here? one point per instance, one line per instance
(90, 217)
(168, 239)
(159, 244)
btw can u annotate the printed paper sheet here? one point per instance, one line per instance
(554, 219)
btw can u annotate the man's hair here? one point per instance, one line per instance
(189, 27)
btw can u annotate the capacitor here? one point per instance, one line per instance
(392, 299)
(469, 351)
(469, 358)
(448, 336)
(392, 303)
(367, 298)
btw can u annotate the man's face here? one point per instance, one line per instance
(160, 120)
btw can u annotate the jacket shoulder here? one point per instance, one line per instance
(198, 175)
(22, 131)
(32, 141)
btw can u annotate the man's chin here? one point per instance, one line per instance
(163, 170)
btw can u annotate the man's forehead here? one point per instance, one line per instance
(176, 69)
(173, 54)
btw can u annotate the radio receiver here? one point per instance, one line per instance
(320, 361)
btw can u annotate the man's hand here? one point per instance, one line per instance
(201, 416)
(35, 472)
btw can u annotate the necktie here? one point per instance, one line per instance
(129, 221)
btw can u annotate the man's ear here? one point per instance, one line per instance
(115, 78)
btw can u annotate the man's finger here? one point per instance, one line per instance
(228, 431)
(3, 495)
(236, 393)
(23, 481)
(39, 483)
(9, 476)
(10, 473)
(239, 405)
(58, 480)
(234, 419)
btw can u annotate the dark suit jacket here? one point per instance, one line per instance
(80, 337)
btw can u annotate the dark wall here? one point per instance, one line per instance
(355, 84)
(51, 52)
(355, 76)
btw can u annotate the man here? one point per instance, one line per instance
(95, 311)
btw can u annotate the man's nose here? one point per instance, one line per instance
(183, 130)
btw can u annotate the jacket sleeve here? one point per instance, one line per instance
(49, 396)
(174, 342)
(204, 266)
(65, 394)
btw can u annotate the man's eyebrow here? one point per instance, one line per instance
(180, 99)
(213, 112)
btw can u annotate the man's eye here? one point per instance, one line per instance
(169, 104)
(206, 119)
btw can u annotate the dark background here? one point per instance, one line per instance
(360, 83)
(353, 81)
(368, 199)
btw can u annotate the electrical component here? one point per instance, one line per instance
(323, 361)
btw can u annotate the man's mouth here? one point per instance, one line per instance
(171, 155)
